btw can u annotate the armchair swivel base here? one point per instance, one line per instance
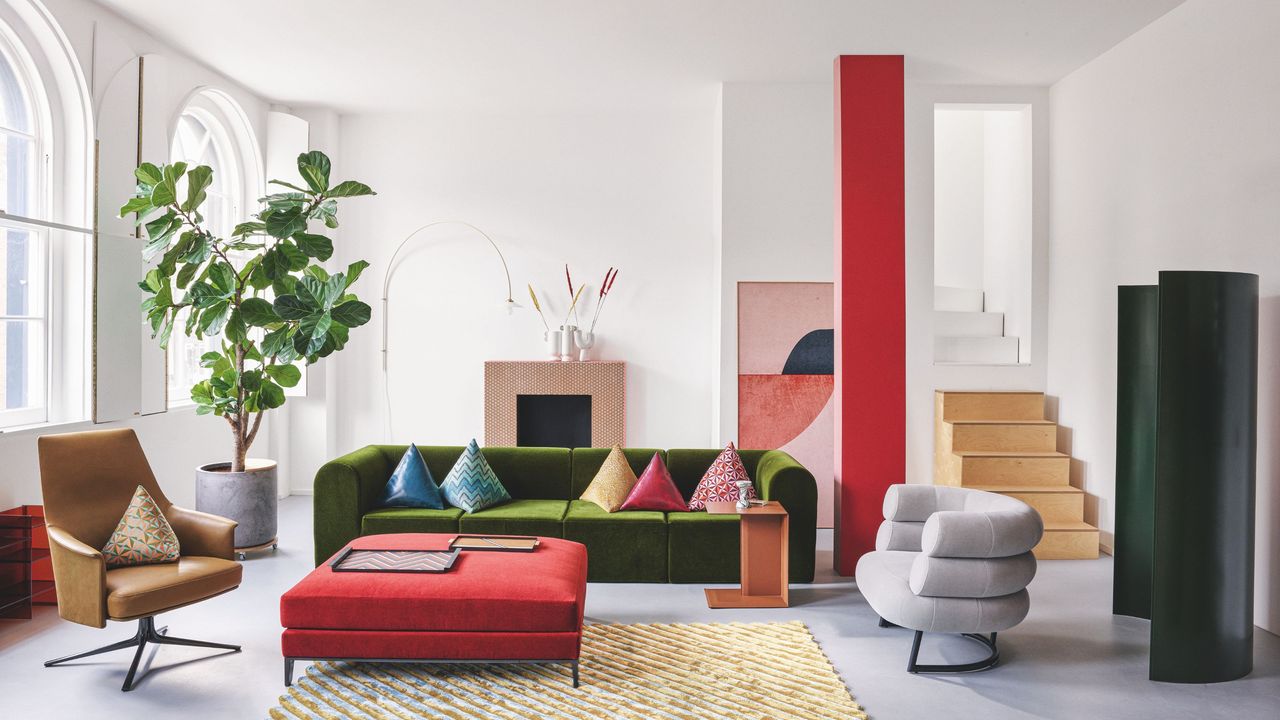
(147, 633)
(986, 663)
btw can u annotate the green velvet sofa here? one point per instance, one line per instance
(545, 484)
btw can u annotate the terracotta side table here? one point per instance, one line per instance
(764, 557)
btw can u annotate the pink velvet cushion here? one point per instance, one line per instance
(655, 490)
(719, 483)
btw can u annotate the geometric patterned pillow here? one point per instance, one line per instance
(612, 483)
(720, 481)
(143, 536)
(471, 484)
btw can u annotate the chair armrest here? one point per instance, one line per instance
(345, 489)
(201, 533)
(979, 534)
(80, 579)
(910, 503)
(899, 536)
(780, 477)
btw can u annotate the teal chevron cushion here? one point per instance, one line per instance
(471, 484)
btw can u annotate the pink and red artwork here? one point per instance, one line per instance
(786, 376)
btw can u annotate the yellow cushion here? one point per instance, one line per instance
(143, 535)
(612, 483)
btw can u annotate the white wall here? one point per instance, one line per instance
(1167, 156)
(176, 441)
(923, 377)
(777, 211)
(1008, 222)
(631, 188)
(958, 181)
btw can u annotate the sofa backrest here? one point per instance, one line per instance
(688, 465)
(528, 473)
(587, 462)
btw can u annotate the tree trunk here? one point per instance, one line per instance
(241, 425)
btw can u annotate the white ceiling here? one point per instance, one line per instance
(388, 55)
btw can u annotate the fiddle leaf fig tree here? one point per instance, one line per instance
(262, 291)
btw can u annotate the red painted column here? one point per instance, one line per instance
(870, 285)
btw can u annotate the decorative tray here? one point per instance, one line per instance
(495, 543)
(394, 561)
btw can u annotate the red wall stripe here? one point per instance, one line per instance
(870, 285)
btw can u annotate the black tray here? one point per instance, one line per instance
(394, 561)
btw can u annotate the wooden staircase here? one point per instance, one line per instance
(1000, 442)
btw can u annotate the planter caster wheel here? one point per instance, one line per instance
(242, 553)
(241, 556)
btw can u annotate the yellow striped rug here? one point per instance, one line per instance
(669, 672)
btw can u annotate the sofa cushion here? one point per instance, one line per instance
(518, 517)
(411, 484)
(687, 466)
(587, 461)
(532, 473)
(971, 577)
(410, 520)
(720, 482)
(471, 483)
(624, 546)
(703, 547)
(612, 483)
(654, 490)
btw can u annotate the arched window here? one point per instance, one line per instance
(23, 323)
(212, 130)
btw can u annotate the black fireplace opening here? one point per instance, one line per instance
(553, 421)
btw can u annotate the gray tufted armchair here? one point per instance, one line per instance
(951, 560)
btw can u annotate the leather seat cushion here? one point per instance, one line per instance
(143, 590)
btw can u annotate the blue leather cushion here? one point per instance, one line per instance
(472, 484)
(411, 485)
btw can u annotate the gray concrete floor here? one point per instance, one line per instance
(1070, 659)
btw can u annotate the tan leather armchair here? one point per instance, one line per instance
(88, 479)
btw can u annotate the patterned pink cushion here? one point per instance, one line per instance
(720, 481)
(655, 490)
(143, 536)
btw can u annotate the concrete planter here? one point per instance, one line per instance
(247, 497)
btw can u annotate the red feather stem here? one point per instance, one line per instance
(568, 279)
(615, 277)
(604, 284)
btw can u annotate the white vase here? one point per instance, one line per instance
(744, 497)
(553, 343)
(567, 350)
(585, 341)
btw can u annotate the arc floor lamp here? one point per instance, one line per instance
(509, 303)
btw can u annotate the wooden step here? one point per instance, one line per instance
(1053, 503)
(1063, 540)
(987, 467)
(1005, 435)
(970, 405)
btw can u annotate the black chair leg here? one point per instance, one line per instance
(885, 623)
(986, 663)
(147, 633)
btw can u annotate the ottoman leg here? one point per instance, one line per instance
(575, 673)
(288, 672)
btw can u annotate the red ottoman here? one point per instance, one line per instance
(507, 607)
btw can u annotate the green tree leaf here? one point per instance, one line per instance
(258, 312)
(354, 270)
(317, 246)
(271, 395)
(349, 188)
(314, 168)
(289, 307)
(198, 180)
(223, 277)
(286, 375)
(295, 258)
(283, 223)
(148, 174)
(352, 313)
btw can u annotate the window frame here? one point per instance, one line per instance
(31, 86)
(232, 133)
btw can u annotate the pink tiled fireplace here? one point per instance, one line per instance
(552, 393)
